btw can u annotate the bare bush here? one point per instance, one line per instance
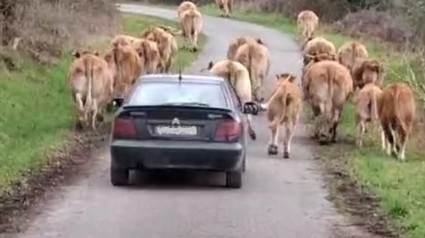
(378, 24)
(47, 27)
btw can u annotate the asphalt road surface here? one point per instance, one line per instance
(279, 198)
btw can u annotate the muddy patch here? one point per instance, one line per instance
(63, 166)
(361, 206)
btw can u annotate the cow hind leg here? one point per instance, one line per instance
(94, 109)
(79, 125)
(274, 129)
(251, 131)
(389, 138)
(290, 126)
(403, 142)
(360, 133)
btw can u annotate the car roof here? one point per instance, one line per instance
(209, 79)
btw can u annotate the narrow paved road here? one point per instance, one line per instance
(279, 198)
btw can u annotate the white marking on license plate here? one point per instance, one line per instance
(180, 130)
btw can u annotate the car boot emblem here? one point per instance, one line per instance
(175, 122)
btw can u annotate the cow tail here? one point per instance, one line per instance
(192, 25)
(89, 75)
(353, 55)
(116, 61)
(330, 80)
(252, 73)
(374, 106)
(396, 102)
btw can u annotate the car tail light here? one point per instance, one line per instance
(228, 130)
(124, 128)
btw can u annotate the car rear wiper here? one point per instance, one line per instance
(188, 104)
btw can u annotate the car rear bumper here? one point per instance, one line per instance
(177, 155)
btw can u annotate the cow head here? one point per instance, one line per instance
(372, 71)
(286, 77)
(77, 53)
(311, 59)
(209, 66)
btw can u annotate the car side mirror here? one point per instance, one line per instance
(251, 108)
(117, 102)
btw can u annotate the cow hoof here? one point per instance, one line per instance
(79, 126)
(272, 150)
(286, 155)
(252, 135)
(195, 49)
(100, 118)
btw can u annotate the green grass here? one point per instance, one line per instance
(398, 185)
(37, 111)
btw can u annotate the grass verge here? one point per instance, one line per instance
(395, 187)
(37, 116)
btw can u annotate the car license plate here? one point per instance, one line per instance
(176, 130)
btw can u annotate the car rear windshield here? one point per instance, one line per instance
(173, 93)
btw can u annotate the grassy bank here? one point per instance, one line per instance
(37, 111)
(398, 186)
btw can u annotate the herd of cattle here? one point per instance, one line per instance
(329, 79)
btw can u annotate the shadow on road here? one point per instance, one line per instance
(177, 179)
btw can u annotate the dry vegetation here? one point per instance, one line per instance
(45, 28)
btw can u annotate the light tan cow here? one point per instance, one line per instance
(396, 110)
(238, 77)
(191, 22)
(167, 44)
(366, 109)
(123, 40)
(236, 43)
(184, 6)
(91, 86)
(125, 65)
(225, 7)
(149, 53)
(367, 71)
(284, 106)
(316, 46)
(307, 22)
(256, 58)
(327, 86)
(350, 52)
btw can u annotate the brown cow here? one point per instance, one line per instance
(225, 7)
(167, 44)
(91, 86)
(149, 53)
(125, 65)
(366, 106)
(307, 22)
(367, 71)
(327, 87)
(238, 77)
(351, 51)
(318, 45)
(284, 106)
(236, 43)
(396, 110)
(123, 40)
(191, 22)
(256, 58)
(184, 6)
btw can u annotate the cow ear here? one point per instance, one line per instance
(259, 41)
(210, 65)
(291, 78)
(76, 53)
(96, 53)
